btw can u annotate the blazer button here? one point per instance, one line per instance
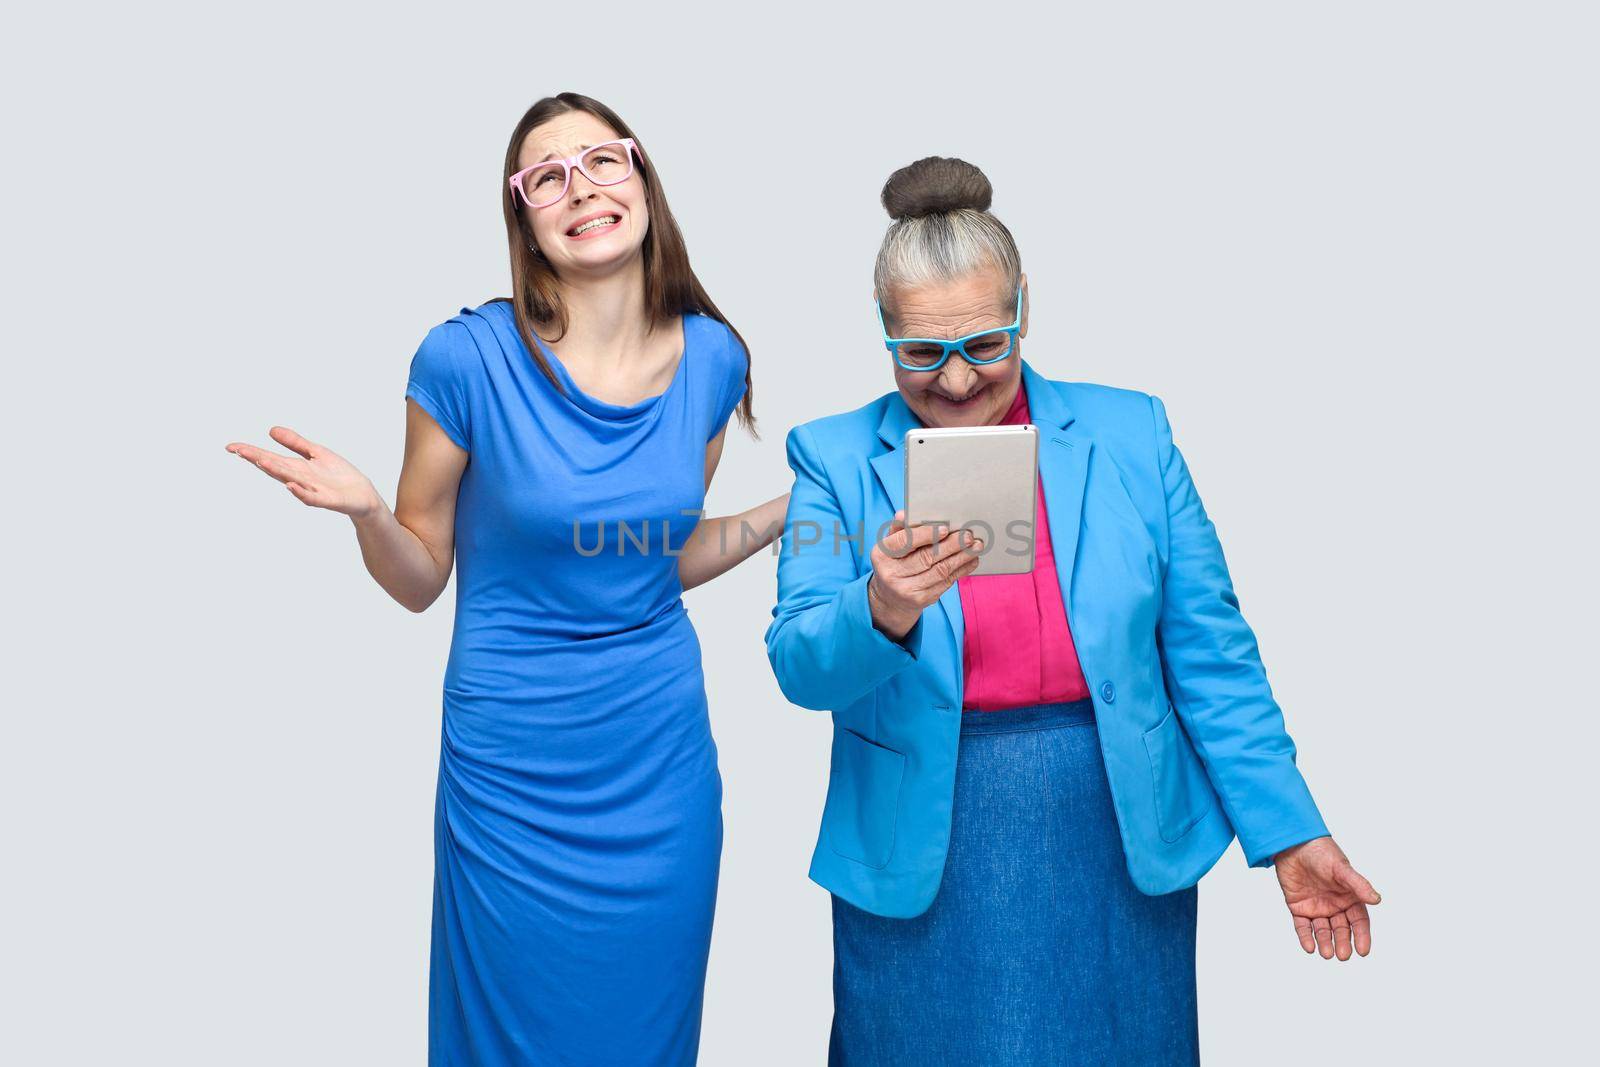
(1108, 693)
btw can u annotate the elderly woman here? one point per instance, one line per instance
(1030, 772)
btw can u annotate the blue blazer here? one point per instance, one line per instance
(1194, 744)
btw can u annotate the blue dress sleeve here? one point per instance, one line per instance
(439, 381)
(730, 381)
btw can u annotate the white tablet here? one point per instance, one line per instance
(982, 478)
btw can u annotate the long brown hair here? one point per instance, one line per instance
(670, 285)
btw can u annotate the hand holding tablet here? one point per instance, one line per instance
(979, 478)
(911, 568)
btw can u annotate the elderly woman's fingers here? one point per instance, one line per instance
(1360, 928)
(945, 560)
(915, 566)
(962, 547)
(968, 564)
(922, 546)
(1341, 936)
(896, 525)
(1352, 880)
(937, 559)
(952, 564)
(918, 567)
(1302, 929)
(904, 540)
(1323, 929)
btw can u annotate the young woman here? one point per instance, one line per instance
(558, 448)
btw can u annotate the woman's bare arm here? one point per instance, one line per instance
(408, 551)
(718, 545)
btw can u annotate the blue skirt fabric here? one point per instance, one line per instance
(1038, 949)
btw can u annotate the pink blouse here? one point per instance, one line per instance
(1018, 648)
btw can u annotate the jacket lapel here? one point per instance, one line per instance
(1064, 467)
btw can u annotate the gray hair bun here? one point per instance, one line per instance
(935, 185)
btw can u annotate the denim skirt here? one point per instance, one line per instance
(1038, 950)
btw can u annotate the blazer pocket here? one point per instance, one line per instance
(1180, 781)
(863, 798)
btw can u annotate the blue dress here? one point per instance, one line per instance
(578, 824)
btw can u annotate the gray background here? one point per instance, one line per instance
(1352, 246)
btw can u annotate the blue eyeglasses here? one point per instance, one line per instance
(930, 353)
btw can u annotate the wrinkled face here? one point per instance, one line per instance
(593, 229)
(958, 393)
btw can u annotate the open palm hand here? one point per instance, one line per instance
(316, 475)
(1327, 897)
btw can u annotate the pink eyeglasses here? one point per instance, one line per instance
(546, 183)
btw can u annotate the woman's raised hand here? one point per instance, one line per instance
(316, 475)
(911, 570)
(1327, 897)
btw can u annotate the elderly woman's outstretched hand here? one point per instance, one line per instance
(911, 570)
(1327, 897)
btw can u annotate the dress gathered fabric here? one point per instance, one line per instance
(578, 823)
